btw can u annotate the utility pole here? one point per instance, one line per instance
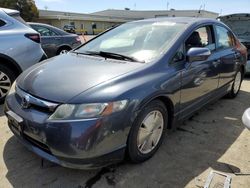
(167, 5)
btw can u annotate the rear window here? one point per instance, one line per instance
(2, 23)
(18, 18)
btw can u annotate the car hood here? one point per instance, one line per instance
(239, 23)
(63, 77)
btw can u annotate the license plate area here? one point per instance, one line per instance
(15, 122)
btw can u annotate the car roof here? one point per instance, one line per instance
(185, 20)
(9, 11)
(49, 26)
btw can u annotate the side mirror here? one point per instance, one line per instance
(246, 118)
(198, 54)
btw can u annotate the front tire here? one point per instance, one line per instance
(147, 132)
(236, 84)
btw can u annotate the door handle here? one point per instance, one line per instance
(216, 62)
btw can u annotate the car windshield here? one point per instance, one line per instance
(142, 41)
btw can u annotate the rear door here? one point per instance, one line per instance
(225, 43)
(50, 40)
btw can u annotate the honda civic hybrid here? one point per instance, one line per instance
(116, 95)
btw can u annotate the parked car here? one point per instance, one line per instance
(240, 24)
(19, 48)
(246, 118)
(119, 92)
(55, 41)
(69, 28)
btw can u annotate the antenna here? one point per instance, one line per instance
(199, 12)
(220, 12)
(135, 6)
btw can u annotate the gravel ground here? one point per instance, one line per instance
(214, 138)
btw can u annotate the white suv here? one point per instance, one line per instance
(20, 48)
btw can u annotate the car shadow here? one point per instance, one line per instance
(198, 144)
(1, 110)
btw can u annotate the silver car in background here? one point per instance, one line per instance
(240, 24)
(20, 48)
(246, 118)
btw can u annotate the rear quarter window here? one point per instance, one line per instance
(2, 23)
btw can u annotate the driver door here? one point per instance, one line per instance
(200, 78)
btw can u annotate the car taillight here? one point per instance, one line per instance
(34, 37)
(78, 39)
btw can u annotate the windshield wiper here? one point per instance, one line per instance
(111, 55)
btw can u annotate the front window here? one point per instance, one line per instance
(143, 41)
(202, 37)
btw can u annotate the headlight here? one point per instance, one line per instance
(13, 88)
(84, 111)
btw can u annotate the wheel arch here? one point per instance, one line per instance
(10, 63)
(168, 104)
(63, 47)
(243, 70)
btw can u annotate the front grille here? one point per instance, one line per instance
(34, 102)
(36, 143)
(34, 106)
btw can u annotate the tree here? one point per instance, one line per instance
(27, 8)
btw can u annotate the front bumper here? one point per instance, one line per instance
(81, 144)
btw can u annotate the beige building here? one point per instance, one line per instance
(108, 18)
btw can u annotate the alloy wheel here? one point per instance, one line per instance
(5, 84)
(64, 52)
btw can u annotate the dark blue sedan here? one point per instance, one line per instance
(121, 91)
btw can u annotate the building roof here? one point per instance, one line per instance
(144, 14)
(113, 15)
(49, 14)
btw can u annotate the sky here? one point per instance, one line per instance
(220, 6)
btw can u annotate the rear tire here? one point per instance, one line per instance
(236, 85)
(7, 77)
(147, 132)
